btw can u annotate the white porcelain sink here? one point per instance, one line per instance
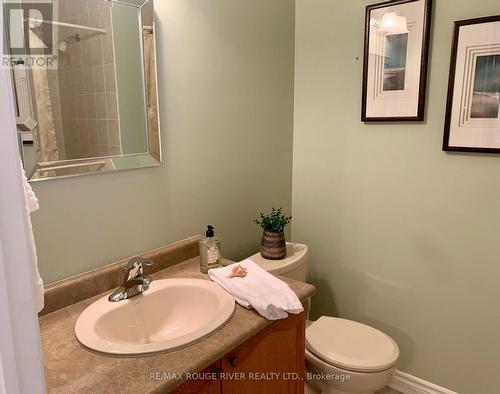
(171, 314)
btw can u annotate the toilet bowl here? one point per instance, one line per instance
(342, 356)
(322, 377)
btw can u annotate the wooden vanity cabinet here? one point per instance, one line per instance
(208, 386)
(270, 362)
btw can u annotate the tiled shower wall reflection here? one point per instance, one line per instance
(86, 82)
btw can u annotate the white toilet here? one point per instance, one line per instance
(342, 356)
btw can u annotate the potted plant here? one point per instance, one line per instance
(273, 245)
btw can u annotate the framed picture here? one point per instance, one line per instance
(473, 107)
(395, 60)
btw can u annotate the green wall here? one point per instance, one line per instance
(225, 71)
(402, 235)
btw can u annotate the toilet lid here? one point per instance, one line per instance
(351, 345)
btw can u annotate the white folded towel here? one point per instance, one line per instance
(268, 295)
(31, 206)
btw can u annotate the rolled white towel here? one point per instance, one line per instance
(268, 295)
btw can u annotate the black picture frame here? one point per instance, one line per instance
(422, 88)
(451, 83)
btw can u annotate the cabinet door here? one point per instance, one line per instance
(208, 386)
(270, 362)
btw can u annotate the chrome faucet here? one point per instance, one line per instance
(134, 281)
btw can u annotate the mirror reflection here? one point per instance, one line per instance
(97, 109)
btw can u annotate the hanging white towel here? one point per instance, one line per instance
(31, 203)
(268, 295)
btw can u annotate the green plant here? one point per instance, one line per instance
(275, 221)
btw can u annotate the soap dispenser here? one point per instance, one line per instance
(210, 251)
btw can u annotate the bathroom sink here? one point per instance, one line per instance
(173, 313)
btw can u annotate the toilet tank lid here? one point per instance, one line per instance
(295, 254)
(351, 345)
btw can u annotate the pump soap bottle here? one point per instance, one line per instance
(210, 251)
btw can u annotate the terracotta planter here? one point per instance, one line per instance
(273, 245)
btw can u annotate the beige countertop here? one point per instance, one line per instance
(70, 368)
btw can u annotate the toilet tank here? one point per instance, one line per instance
(294, 265)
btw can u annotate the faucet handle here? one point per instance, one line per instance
(135, 267)
(138, 260)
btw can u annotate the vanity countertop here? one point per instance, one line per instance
(69, 368)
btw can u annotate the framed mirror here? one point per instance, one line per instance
(94, 107)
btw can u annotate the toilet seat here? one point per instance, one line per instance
(351, 345)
